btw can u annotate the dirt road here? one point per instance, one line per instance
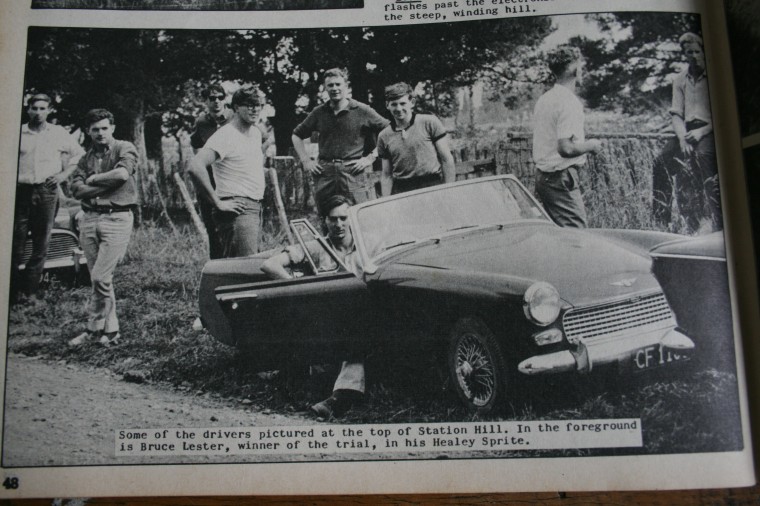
(64, 414)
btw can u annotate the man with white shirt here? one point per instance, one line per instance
(235, 156)
(48, 155)
(559, 143)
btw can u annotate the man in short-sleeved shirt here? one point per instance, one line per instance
(349, 386)
(559, 144)
(235, 156)
(48, 155)
(414, 148)
(347, 131)
(689, 160)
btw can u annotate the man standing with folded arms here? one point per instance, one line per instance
(48, 155)
(559, 143)
(235, 156)
(345, 128)
(414, 147)
(104, 181)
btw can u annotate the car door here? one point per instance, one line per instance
(323, 307)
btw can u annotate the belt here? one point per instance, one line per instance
(695, 123)
(556, 172)
(239, 197)
(107, 210)
(339, 160)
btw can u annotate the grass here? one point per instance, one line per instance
(157, 287)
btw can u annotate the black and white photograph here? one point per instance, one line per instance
(492, 239)
(199, 5)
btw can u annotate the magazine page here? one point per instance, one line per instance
(341, 246)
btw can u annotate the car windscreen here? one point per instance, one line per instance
(408, 219)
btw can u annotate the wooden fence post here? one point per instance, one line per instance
(191, 208)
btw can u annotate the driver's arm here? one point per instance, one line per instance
(276, 267)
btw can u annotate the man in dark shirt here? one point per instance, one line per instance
(346, 130)
(205, 126)
(104, 182)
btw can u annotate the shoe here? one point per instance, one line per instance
(336, 405)
(81, 339)
(197, 325)
(110, 338)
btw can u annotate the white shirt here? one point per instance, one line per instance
(45, 153)
(558, 115)
(239, 171)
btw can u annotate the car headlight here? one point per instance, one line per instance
(541, 303)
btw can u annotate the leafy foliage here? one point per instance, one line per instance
(628, 69)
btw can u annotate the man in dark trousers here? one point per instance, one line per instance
(346, 130)
(687, 164)
(48, 155)
(559, 142)
(205, 126)
(104, 181)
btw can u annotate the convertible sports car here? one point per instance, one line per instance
(475, 270)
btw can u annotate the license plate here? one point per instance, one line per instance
(656, 355)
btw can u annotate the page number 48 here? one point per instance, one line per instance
(10, 483)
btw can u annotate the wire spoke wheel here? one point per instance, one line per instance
(476, 365)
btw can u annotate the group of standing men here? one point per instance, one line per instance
(228, 169)
(102, 178)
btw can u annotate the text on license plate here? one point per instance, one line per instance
(656, 356)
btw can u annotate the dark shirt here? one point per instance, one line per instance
(117, 154)
(346, 135)
(205, 126)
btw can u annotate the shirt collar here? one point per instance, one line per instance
(702, 75)
(25, 128)
(352, 104)
(109, 147)
(397, 129)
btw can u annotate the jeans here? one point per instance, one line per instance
(104, 239)
(239, 233)
(36, 206)
(560, 194)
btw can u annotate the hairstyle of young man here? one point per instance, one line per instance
(560, 59)
(397, 91)
(212, 88)
(95, 115)
(334, 201)
(690, 38)
(37, 97)
(247, 95)
(336, 72)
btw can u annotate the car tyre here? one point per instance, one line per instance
(476, 365)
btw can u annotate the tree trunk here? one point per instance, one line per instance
(285, 119)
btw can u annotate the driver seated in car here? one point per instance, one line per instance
(349, 386)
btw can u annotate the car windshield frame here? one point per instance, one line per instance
(373, 247)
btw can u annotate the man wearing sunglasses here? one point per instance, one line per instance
(206, 125)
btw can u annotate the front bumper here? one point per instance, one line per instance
(639, 350)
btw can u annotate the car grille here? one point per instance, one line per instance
(618, 318)
(61, 246)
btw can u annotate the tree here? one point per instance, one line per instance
(629, 69)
